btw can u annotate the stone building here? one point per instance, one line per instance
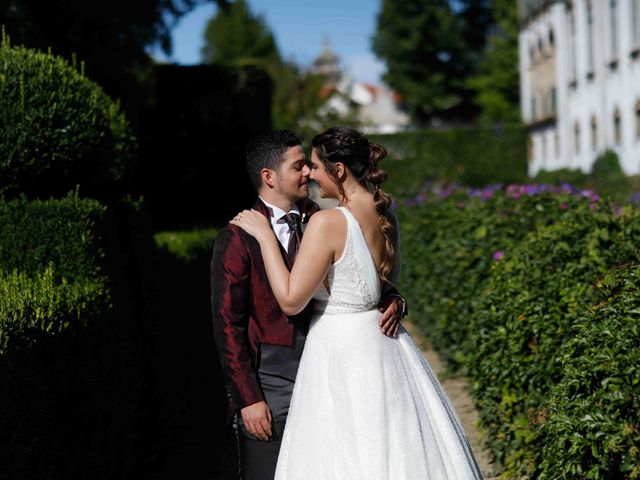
(580, 82)
(377, 107)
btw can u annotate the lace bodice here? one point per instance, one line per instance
(354, 285)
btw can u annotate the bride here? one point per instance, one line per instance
(365, 406)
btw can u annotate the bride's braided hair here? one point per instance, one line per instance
(350, 147)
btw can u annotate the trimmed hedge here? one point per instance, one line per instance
(529, 304)
(594, 411)
(520, 288)
(59, 129)
(64, 232)
(472, 156)
(187, 245)
(606, 177)
(76, 396)
(34, 305)
(452, 239)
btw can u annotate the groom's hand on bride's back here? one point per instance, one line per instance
(392, 308)
(257, 420)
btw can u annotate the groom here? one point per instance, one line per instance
(259, 347)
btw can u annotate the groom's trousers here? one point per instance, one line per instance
(277, 372)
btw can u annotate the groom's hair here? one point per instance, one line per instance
(267, 150)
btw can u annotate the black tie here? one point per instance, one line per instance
(293, 220)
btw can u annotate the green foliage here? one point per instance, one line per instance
(497, 81)
(112, 37)
(187, 245)
(63, 232)
(528, 290)
(32, 305)
(452, 242)
(471, 156)
(606, 178)
(59, 129)
(529, 305)
(237, 37)
(422, 46)
(593, 416)
(234, 35)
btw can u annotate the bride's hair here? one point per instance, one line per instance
(351, 148)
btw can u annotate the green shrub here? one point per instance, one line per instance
(189, 244)
(34, 305)
(533, 298)
(606, 178)
(471, 156)
(58, 129)
(65, 233)
(452, 241)
(594, 411)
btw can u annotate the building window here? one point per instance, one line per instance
(572, 44)
(534, 113)
(638, 119)
(617, 127)
(635, 19)
(594, 133)
(590, 53)
(613, 34)
(556, 143)
(576, 136)
(544, 149)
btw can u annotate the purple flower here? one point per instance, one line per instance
(460, 204)
(497, 255)
(564, 205)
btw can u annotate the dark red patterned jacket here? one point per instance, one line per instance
(245, 311)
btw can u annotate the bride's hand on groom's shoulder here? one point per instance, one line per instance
(252, 222)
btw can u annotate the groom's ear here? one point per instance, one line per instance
(267, 176)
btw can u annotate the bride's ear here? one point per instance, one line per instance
(340, 170)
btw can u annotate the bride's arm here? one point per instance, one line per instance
(294, 290)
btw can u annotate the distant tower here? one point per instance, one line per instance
(327, 64)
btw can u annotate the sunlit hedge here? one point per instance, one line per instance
(511, 285)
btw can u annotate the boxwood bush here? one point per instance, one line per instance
(58, 129)
(64, 232)
(76, 383)
(34, 305)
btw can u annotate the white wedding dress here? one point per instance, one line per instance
(366, 406)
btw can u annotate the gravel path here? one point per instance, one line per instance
(457, 389)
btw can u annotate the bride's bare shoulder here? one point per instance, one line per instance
(328, 218)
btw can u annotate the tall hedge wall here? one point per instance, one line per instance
(471, 156)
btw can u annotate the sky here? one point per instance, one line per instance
(300, 29)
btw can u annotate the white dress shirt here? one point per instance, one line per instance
(280, 227)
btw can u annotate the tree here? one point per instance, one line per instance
(111, 37)
(421, 42)
(234, 35)
(498, 82)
